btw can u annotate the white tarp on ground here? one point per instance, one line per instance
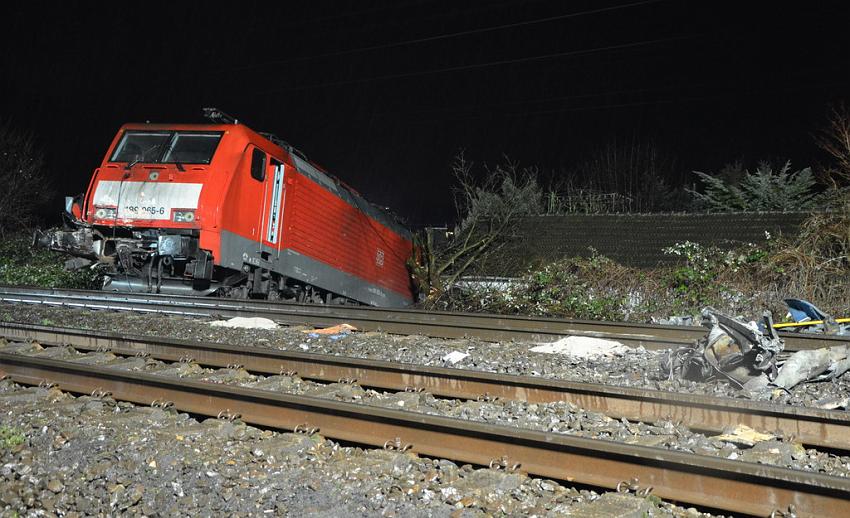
(246, 323)
(585, 347)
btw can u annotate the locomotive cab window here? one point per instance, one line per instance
(170, 147)
(192, 148)
(258, 165)
(140, 146)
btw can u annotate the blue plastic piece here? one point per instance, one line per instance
(803, 310)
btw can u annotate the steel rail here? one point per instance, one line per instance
(811, 426)
(701, 480)
(398, 321)
(401, 321)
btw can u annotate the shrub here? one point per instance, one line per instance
(21, 264)
(741, 281)
(595, 288)
(736, 189)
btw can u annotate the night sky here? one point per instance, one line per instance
(384, 94)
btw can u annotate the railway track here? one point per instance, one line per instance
(811, 426)
(401, 321)
(713, 482)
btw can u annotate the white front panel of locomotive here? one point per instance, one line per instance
(146, 200)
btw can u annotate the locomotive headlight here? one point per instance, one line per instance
(105, 213)
(184, 216)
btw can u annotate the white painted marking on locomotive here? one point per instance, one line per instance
(376, 291)
(275, 208)
(147, 200)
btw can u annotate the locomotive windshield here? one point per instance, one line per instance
(167, 147)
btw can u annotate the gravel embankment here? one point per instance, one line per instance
(558, 417)
(87, 457)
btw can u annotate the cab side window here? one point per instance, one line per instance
(258, 165)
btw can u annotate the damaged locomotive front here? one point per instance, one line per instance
(141, 261)
(139, 221)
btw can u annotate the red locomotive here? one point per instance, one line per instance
(220, 208)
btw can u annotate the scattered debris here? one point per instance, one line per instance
(454, 357)
(686, 320)
(804, 311)
(638, 368)
(246, 323)
(815, 365)
(807, 316)
(832, 402)
(339, 329)
(733, 349)
(743, 435)
(747, 355)
(583, 347)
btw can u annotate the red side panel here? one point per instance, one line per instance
(320, 225)
(243, 205)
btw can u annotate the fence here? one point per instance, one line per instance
(637, 239)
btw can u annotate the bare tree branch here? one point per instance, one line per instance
(488, 208)
(834, 139)
(22, 175)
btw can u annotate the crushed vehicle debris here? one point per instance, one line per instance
(732, 349)
(816, 365)
(807, 318)
(748, 355)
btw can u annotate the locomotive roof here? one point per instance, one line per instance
(305, 166)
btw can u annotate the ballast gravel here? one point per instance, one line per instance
(559, 417)
(84, 456)
(637, 367)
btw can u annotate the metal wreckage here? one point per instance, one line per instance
(748, 355)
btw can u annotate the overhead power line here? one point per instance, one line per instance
(539, 57)
(632, 104)
(428, 39)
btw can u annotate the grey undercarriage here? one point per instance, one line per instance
(171, 261)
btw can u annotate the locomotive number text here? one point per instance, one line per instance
(141, 209)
